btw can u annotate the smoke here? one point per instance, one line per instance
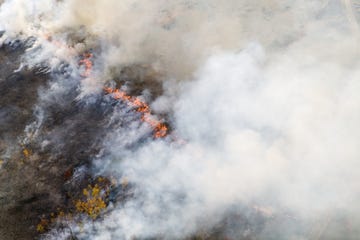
(154, 32)
(262, 97)
(278, 132)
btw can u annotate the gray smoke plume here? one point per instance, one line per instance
(262, 99)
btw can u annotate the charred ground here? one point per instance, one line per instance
(39, 163)
(49, 141)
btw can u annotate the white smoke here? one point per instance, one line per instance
(257, 130)
(266, 113)
(154, 32)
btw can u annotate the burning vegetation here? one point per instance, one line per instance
(61, 166)
(64, 165)
(96, 97)
(87, 63)
(159, 128)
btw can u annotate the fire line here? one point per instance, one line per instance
(159, 128)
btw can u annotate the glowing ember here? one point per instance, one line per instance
(86, 61)
(160, 129)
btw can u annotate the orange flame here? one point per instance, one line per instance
(86, 61)
(160, 129)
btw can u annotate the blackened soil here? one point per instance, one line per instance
(37, 172)
(36, 179)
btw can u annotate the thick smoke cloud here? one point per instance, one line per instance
(264, 105)
(173, 37)
(279, 133)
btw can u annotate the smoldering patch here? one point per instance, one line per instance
(56, 134)
(130, 121)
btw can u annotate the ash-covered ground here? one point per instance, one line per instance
(38, 164)
(48, 145)
(179, 120)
